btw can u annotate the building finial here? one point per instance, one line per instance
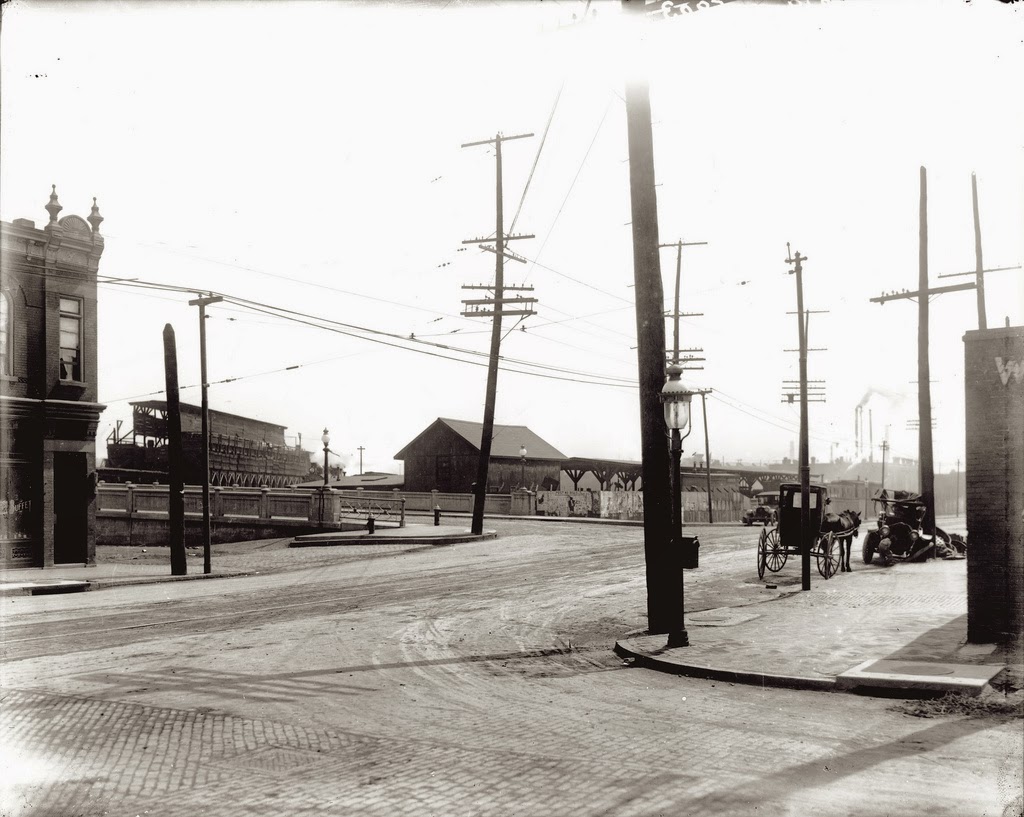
(54, 206)
(95, 219)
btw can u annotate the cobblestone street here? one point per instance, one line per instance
(468, 680)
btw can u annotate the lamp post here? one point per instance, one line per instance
(522, 455)
(675, 398)
(325, 438)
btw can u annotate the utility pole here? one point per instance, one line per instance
(885, 450)
(707, 447)
(498, 303)
(663, 566)
(676, 442)
(676, 314)
(924, 400)
(361, 450)
(805, 467)
(175, 478)
(979, 281)
(202, 303)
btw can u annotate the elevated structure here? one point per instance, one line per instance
(243, 451)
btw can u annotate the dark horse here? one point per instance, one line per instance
(845, 526)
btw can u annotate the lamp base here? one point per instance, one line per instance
(679, 638)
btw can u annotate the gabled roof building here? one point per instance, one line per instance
(445, 456)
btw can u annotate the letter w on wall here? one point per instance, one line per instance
(1011, 368)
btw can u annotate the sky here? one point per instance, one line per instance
(307, 157)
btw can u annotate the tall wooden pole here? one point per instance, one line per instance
(924, 391)
(202, 303)
(707, 450)
(805, 466)
(663, 566)
(176, 484)
(487, 433)
(980, 277)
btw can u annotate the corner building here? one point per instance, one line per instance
(48, 382)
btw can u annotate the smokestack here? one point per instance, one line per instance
(871, 435)
(856, 439)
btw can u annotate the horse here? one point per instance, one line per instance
(845, 526)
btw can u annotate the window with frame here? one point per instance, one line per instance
(70, 339)
(6, 334)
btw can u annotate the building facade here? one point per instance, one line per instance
(48, 383)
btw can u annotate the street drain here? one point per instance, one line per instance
(272, 760)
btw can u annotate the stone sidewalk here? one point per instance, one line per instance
(902, 627)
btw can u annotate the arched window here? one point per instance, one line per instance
(6, 334)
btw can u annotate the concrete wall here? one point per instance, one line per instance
(994, 385)
(137, 514)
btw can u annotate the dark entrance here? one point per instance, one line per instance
(71, 497)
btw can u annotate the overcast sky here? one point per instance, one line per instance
(307, 157)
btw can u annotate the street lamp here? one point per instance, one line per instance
(325, 438)
(522, 454)
(675, 398)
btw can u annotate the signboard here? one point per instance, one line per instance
(16, 517)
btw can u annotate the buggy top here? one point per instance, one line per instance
(901, 506)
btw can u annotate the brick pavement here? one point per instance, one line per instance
(466, 699)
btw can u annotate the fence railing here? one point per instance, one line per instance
(265, 504)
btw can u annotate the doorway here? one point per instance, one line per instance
(71, 498)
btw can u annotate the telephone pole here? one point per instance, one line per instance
(805, 467)
(175, 459)
(885, 450)
(707, 447)
(495, 307)
(361, 450)
(202, 303)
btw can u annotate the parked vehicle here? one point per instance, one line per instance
(901, 514)
(765, 512)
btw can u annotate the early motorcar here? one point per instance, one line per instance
(765, 512)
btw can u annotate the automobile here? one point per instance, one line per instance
(765, 510)
(761, 515)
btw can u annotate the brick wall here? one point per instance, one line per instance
(994, 383)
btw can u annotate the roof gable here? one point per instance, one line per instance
(505, 441)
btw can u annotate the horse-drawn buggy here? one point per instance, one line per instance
(898, 534)
(829, 534)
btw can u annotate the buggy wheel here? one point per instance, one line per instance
(871, 541)
(828, 555)
(762, 553)
(775, 553)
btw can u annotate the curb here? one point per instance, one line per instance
(370, 539)
(732, 676)
(102, 584)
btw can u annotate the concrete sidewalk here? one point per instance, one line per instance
(902, 627)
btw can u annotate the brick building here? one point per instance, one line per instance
(994, 384)
(48, 381)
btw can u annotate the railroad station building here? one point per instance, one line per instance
(446, 454)
(48, 382)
